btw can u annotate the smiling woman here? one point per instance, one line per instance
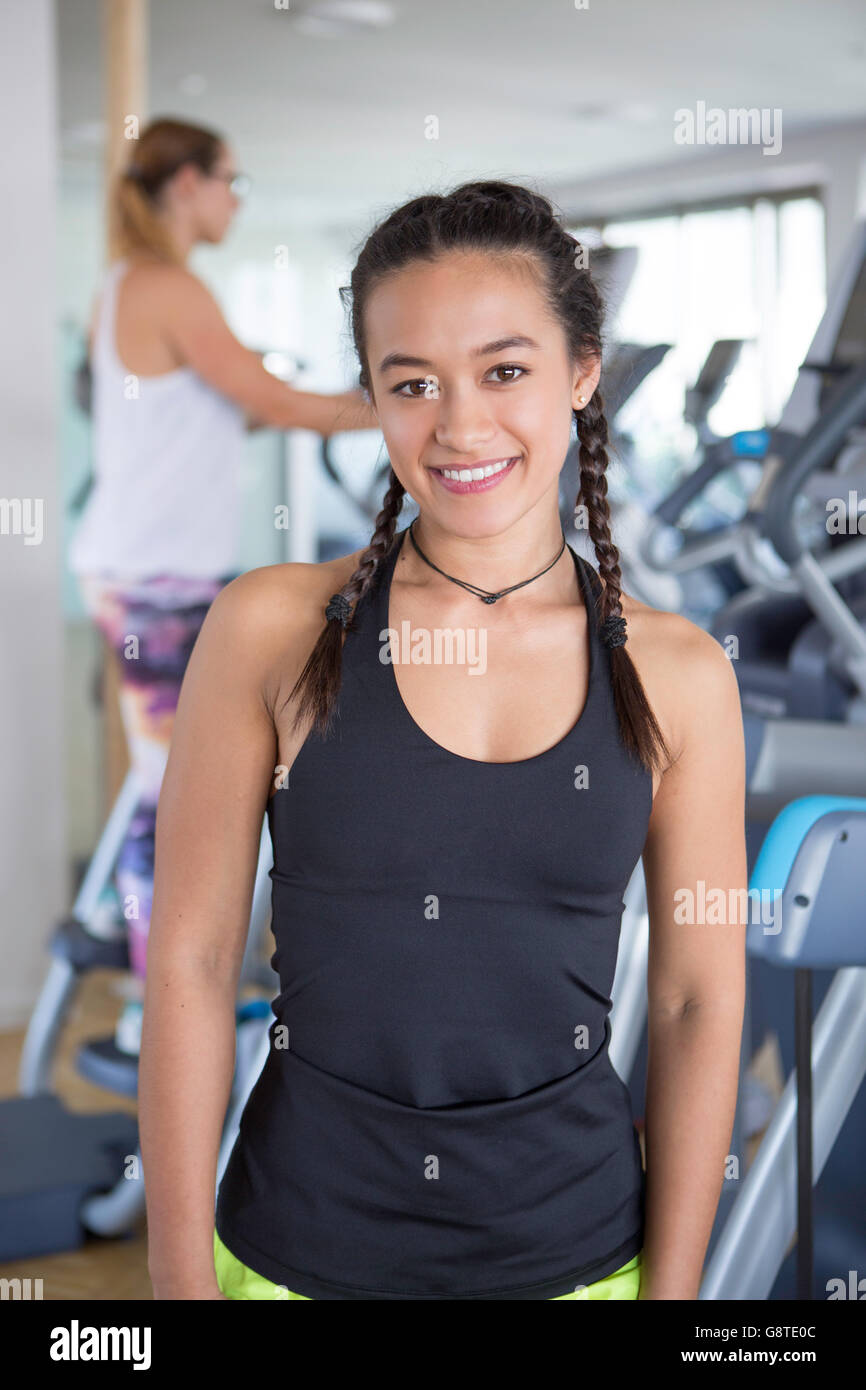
(489, 245)
(438, 1116)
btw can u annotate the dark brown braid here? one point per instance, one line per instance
(319, 682)
(500, 219)
(639, 727)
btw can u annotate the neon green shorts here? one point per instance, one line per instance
(238, 1281)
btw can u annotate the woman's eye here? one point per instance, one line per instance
(420, 382)
(428, 386)
(510, 367)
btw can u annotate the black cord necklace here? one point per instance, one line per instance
(483, 594)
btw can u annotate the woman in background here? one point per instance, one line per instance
(174, 393)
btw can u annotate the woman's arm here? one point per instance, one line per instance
(200, 338)
(208, 827)
(696, 968)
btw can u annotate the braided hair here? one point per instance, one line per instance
(499, 218)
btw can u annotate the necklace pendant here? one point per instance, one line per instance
(471, 588)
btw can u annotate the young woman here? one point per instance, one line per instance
(438, 1117)
(173, 393)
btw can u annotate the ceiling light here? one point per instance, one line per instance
(593, 111)
(341, 18)
(639, 111)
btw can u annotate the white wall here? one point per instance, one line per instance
(33, 871)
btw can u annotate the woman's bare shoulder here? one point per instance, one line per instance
(165, 289)
(276, 598)
(686, 673)
(163, 280)
(273, 615)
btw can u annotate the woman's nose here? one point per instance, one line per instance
(463, 422)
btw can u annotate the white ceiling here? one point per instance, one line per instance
(333, 129)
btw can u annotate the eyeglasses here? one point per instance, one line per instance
(239, 184)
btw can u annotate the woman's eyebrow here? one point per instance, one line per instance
(400, 359)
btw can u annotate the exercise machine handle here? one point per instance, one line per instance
(845, 410)
(747, 444)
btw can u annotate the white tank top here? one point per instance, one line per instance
(167, 455)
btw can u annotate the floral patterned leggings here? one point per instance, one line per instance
(151, 626)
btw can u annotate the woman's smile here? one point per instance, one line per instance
(476, 477)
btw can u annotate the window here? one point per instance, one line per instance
(753, 271)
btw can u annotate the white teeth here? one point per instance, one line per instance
(472, 475)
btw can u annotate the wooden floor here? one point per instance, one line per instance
(117, 1268)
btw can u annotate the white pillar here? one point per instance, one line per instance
(34, 889)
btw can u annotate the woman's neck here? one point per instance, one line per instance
(491, 564)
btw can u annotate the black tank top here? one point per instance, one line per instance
(439, 1116)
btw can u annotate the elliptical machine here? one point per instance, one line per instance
(811, 862)
(766, 625)
(818, 765)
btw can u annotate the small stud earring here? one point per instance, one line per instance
(581, 399)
